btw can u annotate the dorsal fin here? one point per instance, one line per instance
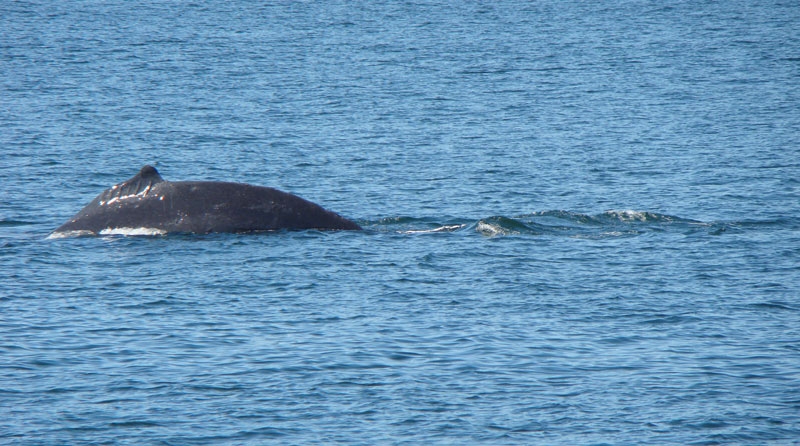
(145, 179)
(149, 171)
(139, 184)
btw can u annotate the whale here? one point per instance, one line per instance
(149, 204)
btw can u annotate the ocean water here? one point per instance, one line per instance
(581, 223)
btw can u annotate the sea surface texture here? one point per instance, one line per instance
(581, 223)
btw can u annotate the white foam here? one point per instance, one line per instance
(629, 215)
(445, 228)
(491, 230)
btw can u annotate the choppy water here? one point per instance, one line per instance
(582, 223)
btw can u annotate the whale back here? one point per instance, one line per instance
(148, 202)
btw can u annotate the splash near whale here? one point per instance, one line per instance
(147, 204)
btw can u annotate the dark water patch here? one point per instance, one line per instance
(775, 306)
(15, 223)
(776, 223)
(672, 319)
(133, 424)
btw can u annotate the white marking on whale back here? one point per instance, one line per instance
(132, 231)
(68, 234)
(115, 199)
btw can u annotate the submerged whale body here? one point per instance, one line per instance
(149, 204)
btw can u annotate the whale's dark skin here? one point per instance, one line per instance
(201, 207)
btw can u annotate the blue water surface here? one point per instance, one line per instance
(582, 223)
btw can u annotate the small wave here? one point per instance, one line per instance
(629, 216)
(613, 223)
(491, 230)
(498, 226)
(608, 224)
